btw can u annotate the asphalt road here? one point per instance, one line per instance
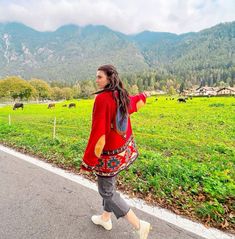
(36, 203)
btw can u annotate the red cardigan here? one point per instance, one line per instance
(103, 136)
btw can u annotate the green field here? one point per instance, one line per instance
(187, 151)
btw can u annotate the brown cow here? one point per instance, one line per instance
(72, 105)
(51, 105)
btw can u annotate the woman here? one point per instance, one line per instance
(111, 147)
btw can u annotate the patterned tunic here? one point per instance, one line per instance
(108, 152)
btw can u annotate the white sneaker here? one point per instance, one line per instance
(144, 229)
(98, 221)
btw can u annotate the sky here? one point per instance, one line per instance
(126, 16)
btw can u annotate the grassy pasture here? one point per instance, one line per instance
(187, 150)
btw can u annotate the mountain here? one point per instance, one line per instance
(211, 47)
(73, 53)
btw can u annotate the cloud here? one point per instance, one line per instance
(131, 16)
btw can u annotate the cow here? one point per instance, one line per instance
(72, 105)
(181, 100)
(51, 105)
(18, 105)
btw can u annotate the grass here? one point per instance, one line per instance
(187, 151)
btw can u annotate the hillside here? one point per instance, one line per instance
(73, 53)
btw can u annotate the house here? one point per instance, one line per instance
(206, 91)
(226, 91)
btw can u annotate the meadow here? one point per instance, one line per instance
(187, 151)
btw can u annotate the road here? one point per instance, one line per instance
(36, 203)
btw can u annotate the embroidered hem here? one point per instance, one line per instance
(111, 174)
(112, 162)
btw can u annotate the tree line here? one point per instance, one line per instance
(15, 87)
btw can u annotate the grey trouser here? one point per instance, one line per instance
(112, 202)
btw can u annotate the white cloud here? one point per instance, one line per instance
(126, 16)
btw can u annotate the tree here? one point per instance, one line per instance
(223, 84)
(134, 90)
(15, 87)
(156, 85)
(171, 91)
(67, 93)
(140, 84)
(232, 83)
(76, 90)
(43, 90)
(163, 88)
(87, 88)
(182, 87)
(2, 90)
(151, 83)
(203, 83)
(56, 93)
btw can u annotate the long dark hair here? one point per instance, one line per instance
(116, 85)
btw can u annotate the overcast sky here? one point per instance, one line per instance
(127, 16)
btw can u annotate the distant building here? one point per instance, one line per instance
(158, 92)
(209, 91)
(206, 91)
(226, 91)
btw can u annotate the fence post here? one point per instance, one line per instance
(54, 128)
(9, 119)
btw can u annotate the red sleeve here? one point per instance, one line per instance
(101, 126)
(136, 102)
